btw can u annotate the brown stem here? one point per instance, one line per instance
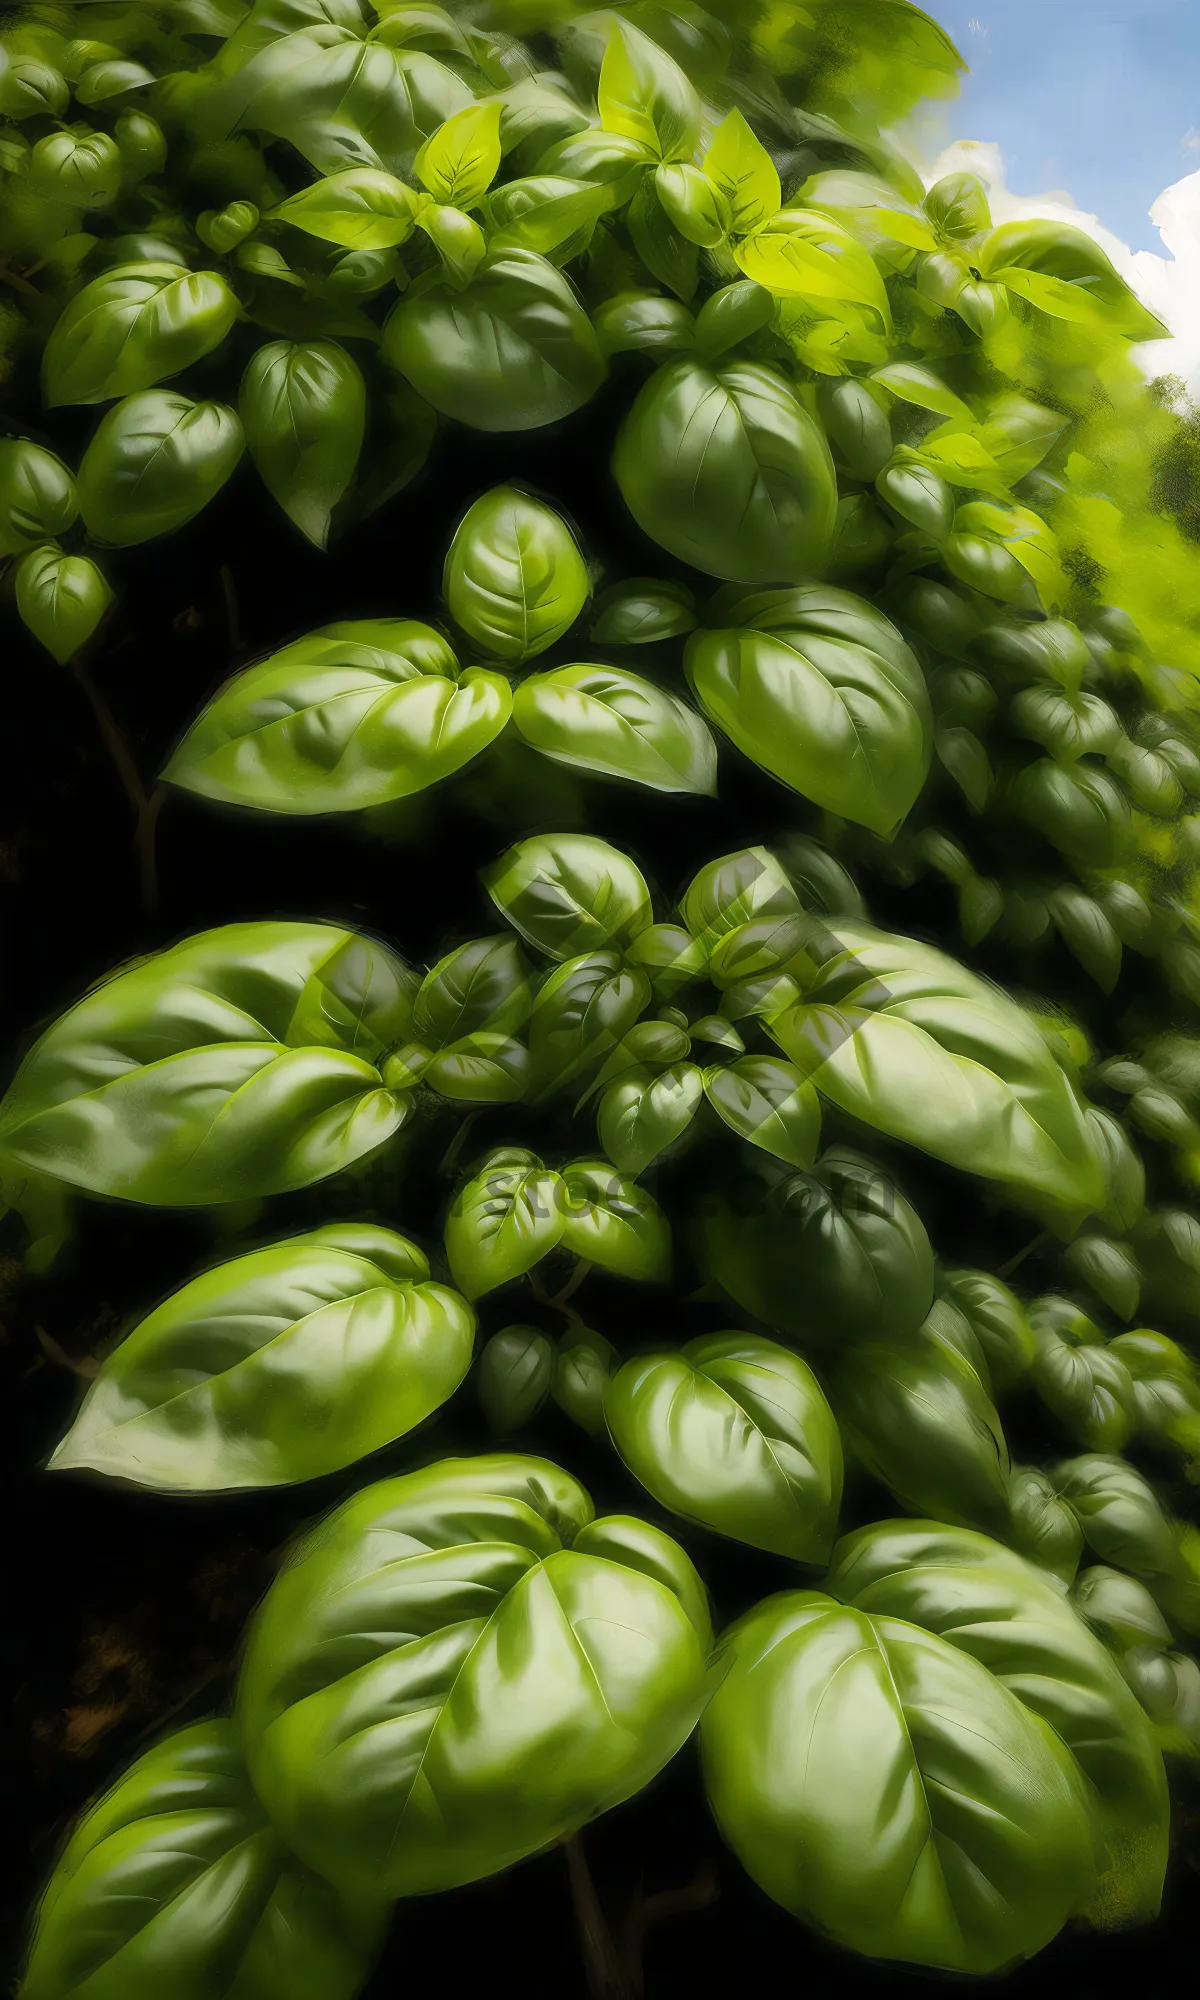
(1014, 1263)
(646, 1911)
(147, 827)
(456, 1144)
(605, 1976)
(114, 738)
(232, 619)
(573, 1283)
(89, 1368)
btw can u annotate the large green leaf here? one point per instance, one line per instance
(514, 580)
(1064, 271)
(176, 1882)
(239, 1063)
(279, 1366)
(515, 350)
(131, 328)
(346, 718)
(303, 405)
(821, 690)
(732, 1431)
(352, 103)
(1018, 1623)
(463, 1667)
(881, 1784)
(359, 209)
(897, 1034)
(604, 719)
(726, 469)
(154, 462)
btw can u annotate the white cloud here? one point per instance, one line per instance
(1168, 284)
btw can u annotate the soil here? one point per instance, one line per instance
(124, 1609)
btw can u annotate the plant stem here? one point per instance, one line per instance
(114, 738)
(232, 619)
(573, 1283)
(456, 1144)
(605, 1976)
(1014, 1263)
(646, 1911)
(147, 828)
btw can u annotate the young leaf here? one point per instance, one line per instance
(505, 1220)
(516, 1370)
(740, 167)
(570, 893)
(615, 1224)
(644, 95)
(768, 1103)
(61, 599)
(360, 209)
(37, 496)
(802, 253)
(641, 1115)
(459, 162)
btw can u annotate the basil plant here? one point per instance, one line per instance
(793, 1137)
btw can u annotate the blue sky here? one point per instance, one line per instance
(1099, 97)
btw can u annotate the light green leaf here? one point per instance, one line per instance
(864, 201)
(349, 717)
(732, 1432)
(361, 208)
(515, 580)
(569, 893)
(603, 719)
(612, 1222)
(460, 160)
(503, 1222)
(61, 599)
(37, 496)
(769, 1103)
(642, 1115)
(1065, 273)
(644, 95)
(277, 1367)
(153, 463)
(131, 328)
(802, 253)
(740, 167)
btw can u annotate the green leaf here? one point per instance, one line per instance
(921, 1418)
(957, 206)
(1166, 1389)
(728, 317)
(229, 1383)
(920, 495)
(37, 496)
(1067, 725)
(105, 80)
(612, 1222)
(1080, 1380)
(726, 469)
(990, 1604)
(732, 891)
(516, 1369)
(641, 611)
(61, 599)
(1005, 552)
(913, 383)
(515, 350)
(899, 1035)
(303, 406)
(835, 1258)
(603, 719)
(82, 169)
(132, 327)
(569, 893)
(733, 1432)
(581, 1012)
(997, 1319)
(460, 160)
(741, 169)
(667, 254)
(362, 208)
(503, 1222)
(344, 102)
(644, 95)
(30, 88)
(882, 1785)
(549, 213)
(1078, 807)
(697, 209)
(480, 986)
(1019, 434)
(821, 691)
(768, 1103)
(1066, 274)
(865, 202)
(491, 1718)
(176, 1879)
(240, 1063)
(804, 254)
(347, 718)
(582, 1366)
(1120, 1514)
(155, 460)
(1042, 1526)
(642, 1115)
(515, 580)
(857, 425)
(644, 323)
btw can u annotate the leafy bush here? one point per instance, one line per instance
(906, 584)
